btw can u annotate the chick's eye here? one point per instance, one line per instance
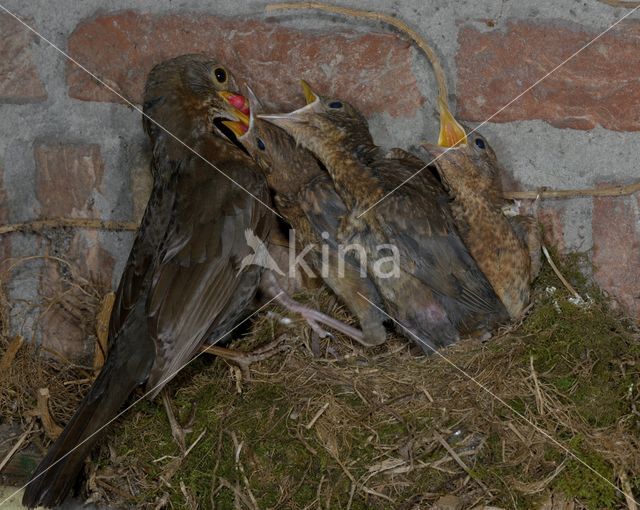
(220, 74)
(480, 143)
(335, 104)
(260, 144)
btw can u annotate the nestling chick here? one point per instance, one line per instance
(507, 250)
(437, 291)
(305, 196)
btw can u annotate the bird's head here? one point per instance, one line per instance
(270, 146)
(463, 157)
(191, 95)
(323, 123)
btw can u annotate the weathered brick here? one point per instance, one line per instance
(66, 325)
(600, 86)
(552, 220)
(616, 254)
(67, 175)
(123, 48)
(19, 78)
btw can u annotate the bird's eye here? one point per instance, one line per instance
(480, 143)
(260, 144)
(220, 74)
(335, 104)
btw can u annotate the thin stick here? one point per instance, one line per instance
(315, 418)
(16, 446)
(10, 353)
(607, 191)
(88, 223)
(460, 462)
(628, 494)
(559, 274)
(384, 18)
(620, 3)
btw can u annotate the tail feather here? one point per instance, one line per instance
(125, 368)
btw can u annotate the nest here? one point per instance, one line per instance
(542, 414)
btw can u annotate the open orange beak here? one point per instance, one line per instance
(309, 95)
(239, 104)
(239, 128)
(452, 133)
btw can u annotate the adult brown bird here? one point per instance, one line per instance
(182, 283)
(436, 289)
(304, 194)
(507, 249)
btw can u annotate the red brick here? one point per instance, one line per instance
(365, 69)
(67, 322)
(67, 175)
(616, 254)
(19, 78)
(600, 86)
(552, 220)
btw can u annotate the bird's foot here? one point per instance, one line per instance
(245, 359)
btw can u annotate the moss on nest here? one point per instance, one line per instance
(365, 429)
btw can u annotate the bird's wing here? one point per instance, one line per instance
(153, 227)
(323, 207)
(198, 288)
(434, 252)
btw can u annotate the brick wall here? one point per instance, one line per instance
(71, 148)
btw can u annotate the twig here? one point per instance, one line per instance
(606, 191)
(560, 275)
(10, 354)
(628, 493)
(316, 416)
(51, 428)
(384, 18)
(16, 446)
(87, 223)
(240, 468)
(620, 3)
(460, 462)
(536, 385)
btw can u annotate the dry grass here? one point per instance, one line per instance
(383, 428)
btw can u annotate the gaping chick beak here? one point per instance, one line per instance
(240, 111)
(309, 95)
(255, 106)
(452, 134)
(300, 116)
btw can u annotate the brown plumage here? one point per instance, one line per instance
(181, 284)
(507, 249)
(438, 292)
(304, 194)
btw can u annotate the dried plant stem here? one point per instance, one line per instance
(621, 3)
(384, 18)
(10, 353)
(16, 446)
(564, 281)
(86, 223)
(606, 191)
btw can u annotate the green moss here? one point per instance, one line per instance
(576, 349)
(578, 481)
